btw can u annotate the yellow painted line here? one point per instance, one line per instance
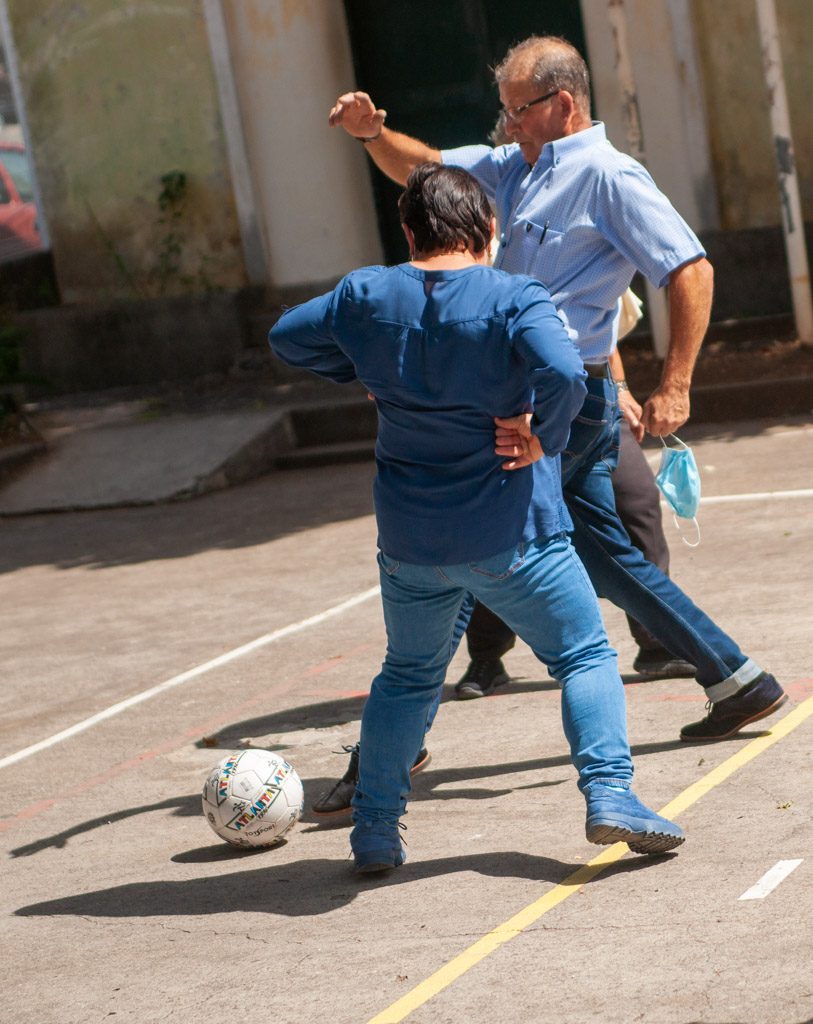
(515, 925)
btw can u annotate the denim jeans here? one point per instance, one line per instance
(543, 593)
(619, 571)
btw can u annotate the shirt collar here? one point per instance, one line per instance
(554, 152)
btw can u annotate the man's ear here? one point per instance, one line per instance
(568, 111)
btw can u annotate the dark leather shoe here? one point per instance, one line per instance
(336, 801)
(727, 717)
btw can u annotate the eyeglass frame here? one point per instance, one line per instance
(515, 113)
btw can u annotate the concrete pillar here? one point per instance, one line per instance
(670, 99)
(291, 59)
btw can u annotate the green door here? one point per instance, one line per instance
(426, 62)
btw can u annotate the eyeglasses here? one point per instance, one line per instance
(515, 113)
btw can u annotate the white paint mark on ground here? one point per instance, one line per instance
(193, 673)
(771, 879)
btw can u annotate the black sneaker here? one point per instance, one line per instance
(727, 717)
(662, 664)
(336, 801)
(481, 678)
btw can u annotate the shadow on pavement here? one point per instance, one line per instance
(305, 888)
(426, 787)
(254, 513)
(338, 711)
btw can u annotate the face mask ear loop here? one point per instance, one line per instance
(688, 543)
(681, 445)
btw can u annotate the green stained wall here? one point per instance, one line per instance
(118, 94)
(737, 103)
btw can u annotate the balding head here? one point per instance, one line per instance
(550, 63)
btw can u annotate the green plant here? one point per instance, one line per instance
(172, 204)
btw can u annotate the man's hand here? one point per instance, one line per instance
(631, 411)
(515, 440)
(665, 411)
(357, 114)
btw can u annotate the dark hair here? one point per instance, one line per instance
(445, 209)
(551, 63)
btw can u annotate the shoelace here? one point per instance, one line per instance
(399, 824)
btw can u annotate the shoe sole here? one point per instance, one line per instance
(375, 868)
(472, 693)
(639, 842)
(340, 812)
(777, 704)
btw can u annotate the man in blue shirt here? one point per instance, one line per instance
(582, 217)
(446, 345)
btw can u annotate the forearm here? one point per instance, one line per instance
(690, 294)
(397, 155)
(690, 291)
(616, 366)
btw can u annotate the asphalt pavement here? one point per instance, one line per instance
(143, 642)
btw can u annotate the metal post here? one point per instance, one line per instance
(657, 305)
(792, 222)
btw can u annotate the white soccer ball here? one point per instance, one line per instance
(253, 798)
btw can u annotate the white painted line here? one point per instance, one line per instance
(757, 496)
(722, 499)
(193, 673)
(769, 881)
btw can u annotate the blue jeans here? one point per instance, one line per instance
(619, 571)
(543, 593)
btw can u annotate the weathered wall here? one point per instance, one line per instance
(118, 93)
(737, 106)
(670, 105)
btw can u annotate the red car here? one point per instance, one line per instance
(18, 214)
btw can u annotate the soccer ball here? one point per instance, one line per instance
(252, 798)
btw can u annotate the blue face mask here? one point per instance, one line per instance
(678, 480)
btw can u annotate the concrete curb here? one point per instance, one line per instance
(174, 458)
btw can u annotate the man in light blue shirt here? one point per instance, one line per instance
(582, 218)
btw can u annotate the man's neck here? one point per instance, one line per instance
(445, 261)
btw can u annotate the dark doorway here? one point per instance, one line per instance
(427, 64)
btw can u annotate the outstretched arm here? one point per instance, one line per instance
(393, 153)
(690, 292)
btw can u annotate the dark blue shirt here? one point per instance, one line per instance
(444, 351)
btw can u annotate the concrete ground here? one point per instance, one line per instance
(119, 901)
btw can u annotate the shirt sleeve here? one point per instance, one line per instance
(556, 370)
(482, 162)
(304, 337)
(641, 223)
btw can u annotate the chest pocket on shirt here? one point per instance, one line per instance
(541, 248)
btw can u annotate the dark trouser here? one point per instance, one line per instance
(637, 501)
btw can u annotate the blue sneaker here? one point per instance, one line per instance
(616, 815)
(376, 846)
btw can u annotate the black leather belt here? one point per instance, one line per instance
(599, 370)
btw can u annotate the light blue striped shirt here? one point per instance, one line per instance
(582, 220)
